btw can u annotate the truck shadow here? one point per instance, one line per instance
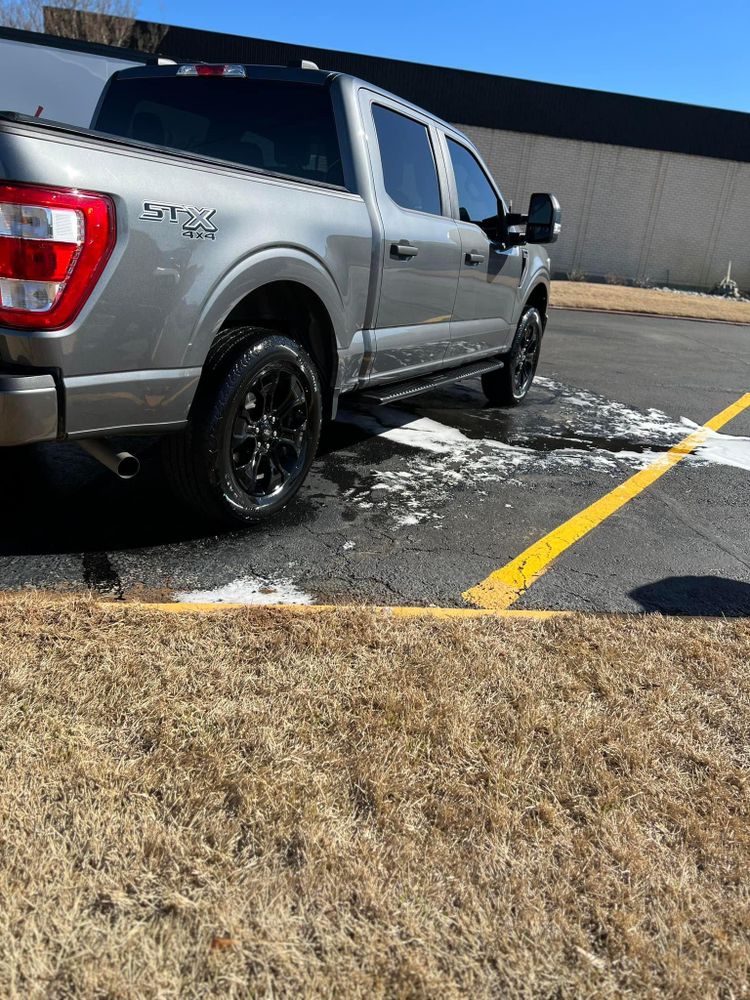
(56, 499)
(695, 595)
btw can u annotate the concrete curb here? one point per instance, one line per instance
(649, 315)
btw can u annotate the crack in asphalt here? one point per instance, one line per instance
(699, 529)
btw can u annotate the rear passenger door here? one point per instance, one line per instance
(421, 247)
(490, 271)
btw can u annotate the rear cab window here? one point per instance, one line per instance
(285, 127)
(409, 170)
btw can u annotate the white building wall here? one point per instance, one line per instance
(633, 213)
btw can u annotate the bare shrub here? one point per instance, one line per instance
(112, 27)
(106, 22)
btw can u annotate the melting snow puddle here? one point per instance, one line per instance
(609, 419)
(421, 492)
(249, 590)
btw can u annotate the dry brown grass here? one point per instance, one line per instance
(259, 804)
(619, 298)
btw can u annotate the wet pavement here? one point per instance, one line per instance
(414, 503)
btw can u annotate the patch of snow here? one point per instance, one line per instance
(249, 590)
(408, 519)
(414, 432)
(610, 419)
(451, 462)
(700, 295)
(446, 462)
(723, 449)
(348, 546)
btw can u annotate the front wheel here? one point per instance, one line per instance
(509, 386)
(253, 432)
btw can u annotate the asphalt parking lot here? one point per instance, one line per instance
(414, 504)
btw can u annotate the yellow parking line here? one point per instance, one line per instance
(502, 588)
(181, 608)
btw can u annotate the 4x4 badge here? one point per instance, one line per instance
(197, 225)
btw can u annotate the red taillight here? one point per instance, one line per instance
(36, 260)
(54, 244)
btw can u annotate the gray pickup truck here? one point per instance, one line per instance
(230, 249)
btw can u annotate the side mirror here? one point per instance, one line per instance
(543, 223)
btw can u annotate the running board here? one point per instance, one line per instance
(401, 390)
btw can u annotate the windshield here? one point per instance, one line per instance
(286, 127)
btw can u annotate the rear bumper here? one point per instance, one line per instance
(34, 408)
(28, 409)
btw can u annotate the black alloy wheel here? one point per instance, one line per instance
(509, 385)
(253, 431)
(525, 355)
(269, 440)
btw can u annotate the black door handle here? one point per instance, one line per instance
(472, 257)
(404, 249)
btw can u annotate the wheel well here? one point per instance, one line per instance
(538, 298)
(292, 309)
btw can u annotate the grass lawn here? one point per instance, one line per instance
(349, 805)
(618, 298)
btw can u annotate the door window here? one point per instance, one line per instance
(477, 201)
(409, 170)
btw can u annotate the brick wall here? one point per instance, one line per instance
(634, 213)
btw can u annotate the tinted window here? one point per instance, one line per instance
(408, 164)
(285, 127)
(477, 201)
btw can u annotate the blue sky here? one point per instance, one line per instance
(693, 52)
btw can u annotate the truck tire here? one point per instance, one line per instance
(253, 430)
(509, 386)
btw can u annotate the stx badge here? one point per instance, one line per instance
(197, 225)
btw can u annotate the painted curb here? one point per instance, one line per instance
(177, 608)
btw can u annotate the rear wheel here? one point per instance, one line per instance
(253, 432)
(508, 386)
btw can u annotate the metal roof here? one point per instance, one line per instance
(499, 102)
(496, 102)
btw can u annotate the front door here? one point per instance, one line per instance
(490, 272)
(422, 246)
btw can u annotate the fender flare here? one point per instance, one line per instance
(263, 268)
(536, 278)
